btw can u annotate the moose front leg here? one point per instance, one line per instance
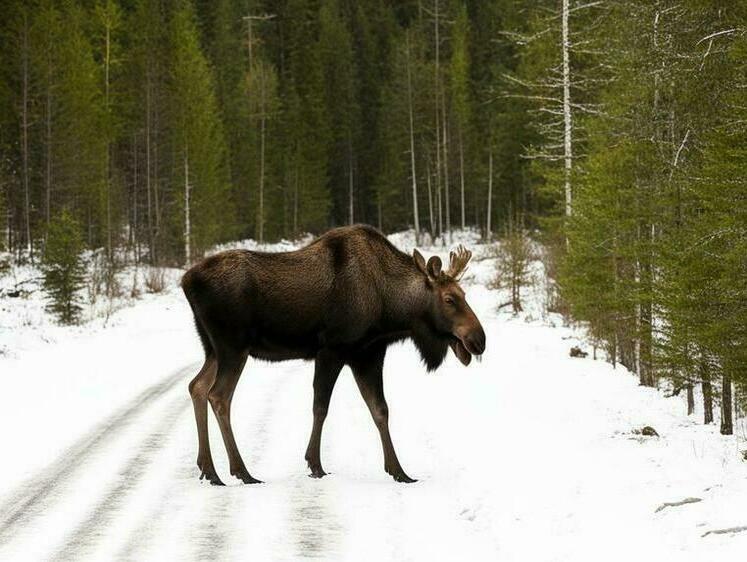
(369, 375)
(326, 369)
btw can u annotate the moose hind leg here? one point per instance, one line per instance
(326, 369)
(230, 366)
(368, 374)
(198, 390)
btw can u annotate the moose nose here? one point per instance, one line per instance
(477, 342)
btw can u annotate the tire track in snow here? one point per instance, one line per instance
(32, 497)
(92, 528)
(314, 526)
(214, 533)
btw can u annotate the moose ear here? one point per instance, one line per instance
(419, 261)
(434, 267)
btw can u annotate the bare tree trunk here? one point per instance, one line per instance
(727, 422)
(432, 220)
(156, 193)
(48, 174)
(295, 203)
(437, 81)
(107, 58)
(690, 400)
(135, 217)
(447, 197)
(637, 340)
(25, 132)
(705, 378)
(615, 350)
(187, 223)
(439, 208)
(461, 173)
(263, 119)
(488, 221)
(567, 117)
(149, 191)
(350, 181)
(413, 174)
(616, 271)
(48, 128)
(8, 229)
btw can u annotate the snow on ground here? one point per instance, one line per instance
(526, 455)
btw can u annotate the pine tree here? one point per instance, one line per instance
(341, 106)
(306, 127)
(145, 111)
(460, 96)
(230, 38)
(108, 25)
(81, 150)
(63, 267)
(200, 177)
(264, 108)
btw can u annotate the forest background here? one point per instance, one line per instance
(613, 132)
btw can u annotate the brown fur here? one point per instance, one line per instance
(340, 300)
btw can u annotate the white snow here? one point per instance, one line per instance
(526, 455)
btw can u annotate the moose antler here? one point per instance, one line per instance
(458, 260)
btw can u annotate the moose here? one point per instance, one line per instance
(340, 300)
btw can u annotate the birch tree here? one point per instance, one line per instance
(413, 171)
(559, 75)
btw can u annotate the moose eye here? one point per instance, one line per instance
(449, 300)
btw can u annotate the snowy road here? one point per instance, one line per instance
(527, 455)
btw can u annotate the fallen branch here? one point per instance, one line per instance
(729, 531)
(676, 504)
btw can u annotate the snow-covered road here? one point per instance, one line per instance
(527, 455)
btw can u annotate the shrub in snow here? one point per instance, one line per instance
(155, 280)
(63, 268)
(515, 254)
(102, 277)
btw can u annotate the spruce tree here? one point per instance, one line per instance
(63, 267)
(199, 176)
(341, 106)
(306, 126)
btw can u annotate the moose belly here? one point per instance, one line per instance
(281, 339)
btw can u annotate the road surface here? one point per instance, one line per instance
(526, 455)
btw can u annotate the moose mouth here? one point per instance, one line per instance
(460, 350)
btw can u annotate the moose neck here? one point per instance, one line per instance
(410, 312)
(408, 299)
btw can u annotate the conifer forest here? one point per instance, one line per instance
(613, 133)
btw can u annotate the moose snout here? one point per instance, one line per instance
(475, 341)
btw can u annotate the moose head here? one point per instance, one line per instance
(449, 312)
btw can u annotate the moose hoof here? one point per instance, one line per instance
(207, 472)
(400, 476)
(211, 476)
(316, 471)
(245, 477)
(404, 478)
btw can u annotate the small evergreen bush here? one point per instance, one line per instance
(63, 268)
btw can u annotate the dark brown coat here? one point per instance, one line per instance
(340, 300)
